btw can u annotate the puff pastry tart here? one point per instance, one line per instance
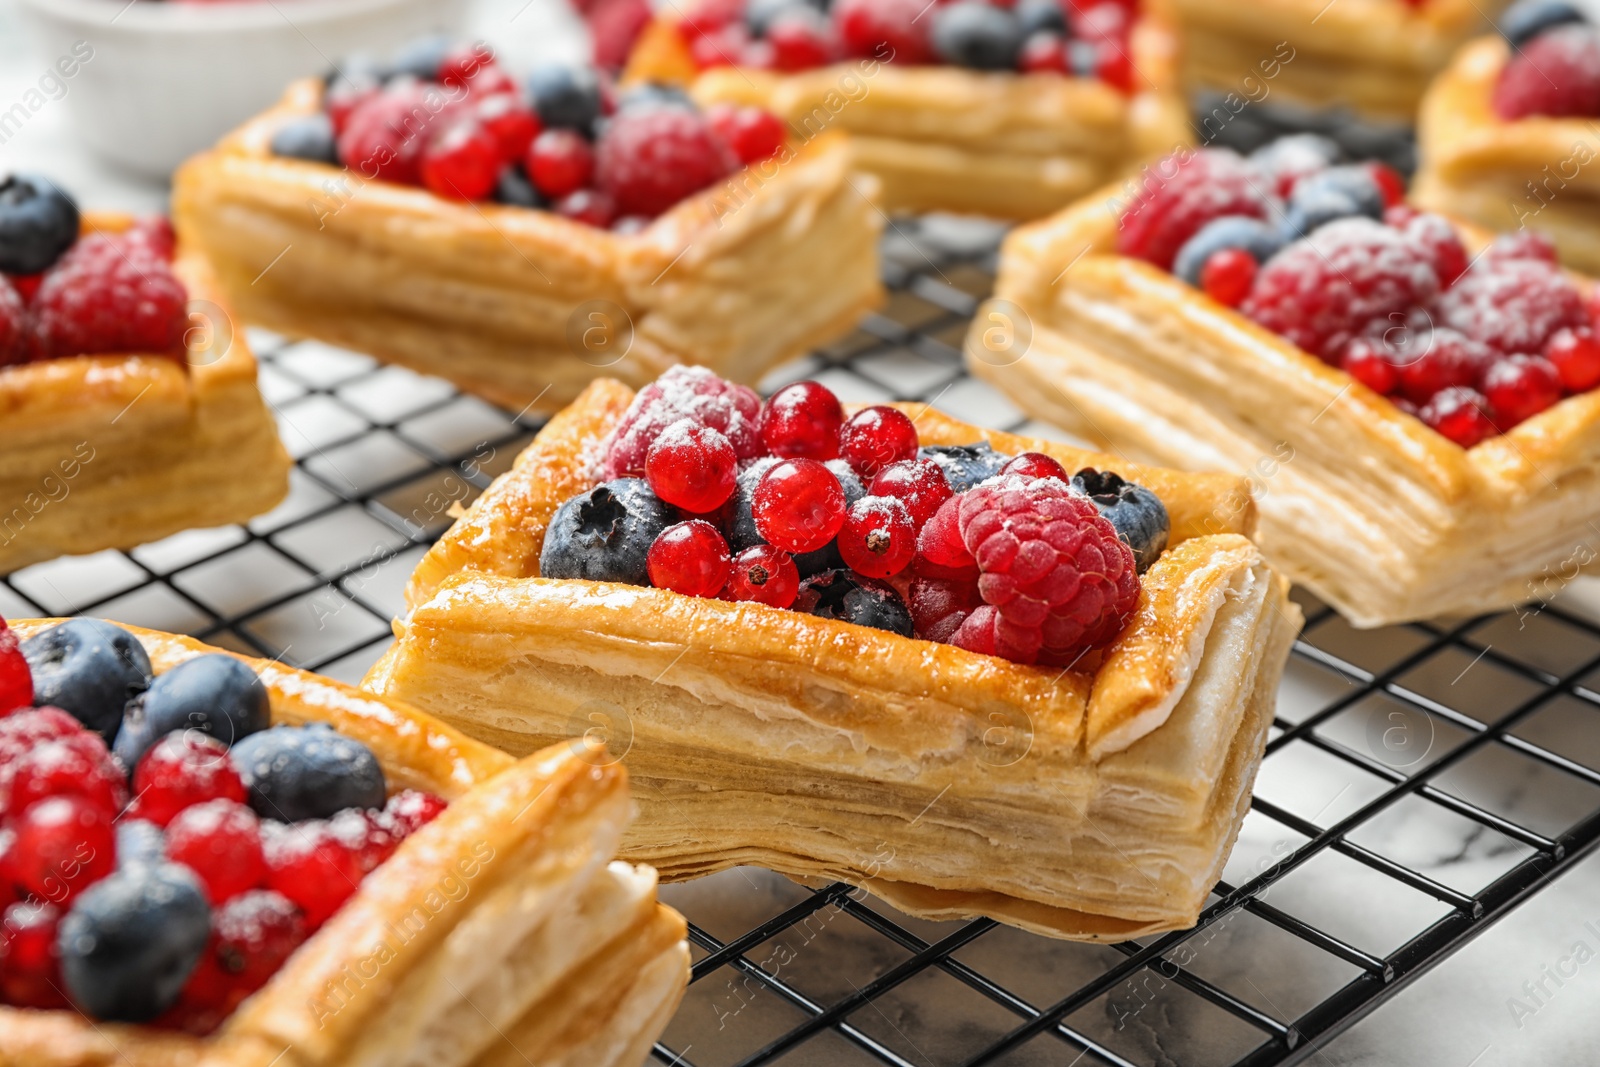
(1422, 437)
(305, 874)
(1508, 153)
(128, 400)
(974, 108)
(519, 247)
(1033, 730)
(1374, 56)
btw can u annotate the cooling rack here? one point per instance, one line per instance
(1420, 781)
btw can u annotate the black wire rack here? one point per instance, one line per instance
(1420, 782)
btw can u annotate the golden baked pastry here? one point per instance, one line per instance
(526, 307)
(554, 954)
(1095, 803)
(1375, 56)
(944, 138)
(112, 451)
(1363, 504)
(1536, 172)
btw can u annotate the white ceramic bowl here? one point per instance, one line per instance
(165, 80)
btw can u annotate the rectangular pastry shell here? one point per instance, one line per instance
(1097, 803)
(113, 451)
(1363, 504)
(500, 933)
(525, 307)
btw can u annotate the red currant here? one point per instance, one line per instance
(62, 846)
(462, 163)
(182, 769)
(801, 40)
(1115, 67)
(512, 125)
(919, 484)
(1044, 53)
(371, 834)
(875, 437)
(752, 134)
(463, 62)
(588, 206)
(727, 47)
(559, 162)
(886, 30)
(1458, 413)
(940, 542)
(878, 538)
(77, 766)
(221, 842)
(252, 935)
(765, 575)
(802, 419)
(1390, 183)
(1519, 387)
(28, 727)
(1102, 22)
(1036, 465)
(1447, 358)
(30, 969)
(1228, 275)
(411, 809)
(312, 867)
(16, 681)
(799, 505)
(1370, 363)
(692, 467)
(344, 96)
(1576, 357)
(690, 558)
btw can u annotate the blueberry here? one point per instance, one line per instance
(309, 138)
(1526, 20)
(761, 14)
(1036, 15)
(421, 58)
(38, 222)
(844, 595)
(1137, 514)
(654, 94)
(605, 534)
(139, 841)
(515, 189)
(1355, 182)
(89, 668)
(1258, 238)
(307, 772)
(131, 941)
(565, 97)
(1306, 215)
(215, 694)
(975, 34)
(965, 466)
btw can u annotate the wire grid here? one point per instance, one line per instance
(1397, 813)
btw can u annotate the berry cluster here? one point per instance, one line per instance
(170, 894)
(1327, 255)
(66, 295)
(448, 118)
(1554, 68)
(706, 491)
(1082, 38)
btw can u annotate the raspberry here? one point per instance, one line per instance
(1460, 414)
(62, 846)
(461, 163)
(312, 866)
(753, 134)
(878, 538)
(1446, 358)
(875, 437)
(1438, 241)
(1228, 276)
(799, 505)
(221, 842)
(766, 575)
(707, 16)
(1556, 74)
(13, 325)
(615, 25)
(919, 484)
(110, 294)
(384, 134)
(1576, 357)
(1511, 305)
(940, 605)
(802, 419)
(885, 29)
(1322, 291)
(692, 467)
(411, 809)
(682, 392)
(1035, 465)
(1187, 190)
(16, 680)
(1519, 387)
(650, 159)
(30, 969)
(1523, 244)
(180, 770)
(560, 162)
(1055, 579)
(940, 542)
(345, 95)
(690, 558)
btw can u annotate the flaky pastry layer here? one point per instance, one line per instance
(1538, 172)
(1093, 803)
(526, 307)
(940, 138)
(1375, 56)
(1369, 508)
(501, 928)
(114, 451)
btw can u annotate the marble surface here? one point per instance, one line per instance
(1524, 992)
